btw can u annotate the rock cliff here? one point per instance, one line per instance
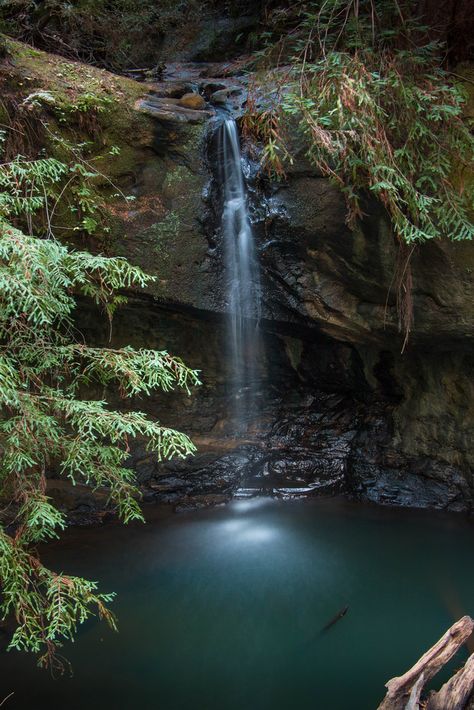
(341, 409)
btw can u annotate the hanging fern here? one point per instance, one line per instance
(363, 86)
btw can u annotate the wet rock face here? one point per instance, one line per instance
(307, 448)
(321, 429)
(411, 446)
(416, 452)
(321, 272)
(297, 442)
(380, 471)
(426, 484)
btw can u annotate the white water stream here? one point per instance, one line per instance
(243, 274)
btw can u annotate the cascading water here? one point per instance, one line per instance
(243, 274)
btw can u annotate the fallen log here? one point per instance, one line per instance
(456, 692)
(405, 691)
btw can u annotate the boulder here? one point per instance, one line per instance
(193, 101)
(222, 96)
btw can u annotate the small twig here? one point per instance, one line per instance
(5, 699)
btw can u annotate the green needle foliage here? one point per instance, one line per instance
(45, 424)
(362, 86)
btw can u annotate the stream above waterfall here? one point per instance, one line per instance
(223, 608)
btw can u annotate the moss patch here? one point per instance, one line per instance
(69, 80)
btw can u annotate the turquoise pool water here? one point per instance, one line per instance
(223, 609)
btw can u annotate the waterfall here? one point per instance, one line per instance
(242, 274)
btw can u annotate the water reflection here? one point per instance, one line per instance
(248, 531)
(244, 506)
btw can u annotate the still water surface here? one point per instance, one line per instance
(222, 609)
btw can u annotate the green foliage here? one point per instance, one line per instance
(377, 113)
(47, 606)
(45, 422)
(91, 102)
(361, 86)
(83, 108)
(39, 189)
(27, 185)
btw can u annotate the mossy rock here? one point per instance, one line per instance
(156, 163)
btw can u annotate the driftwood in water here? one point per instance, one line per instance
(456, 692)
(404, 692)
(414, 699)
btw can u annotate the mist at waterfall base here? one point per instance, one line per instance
(242, 275)
(223, 609)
